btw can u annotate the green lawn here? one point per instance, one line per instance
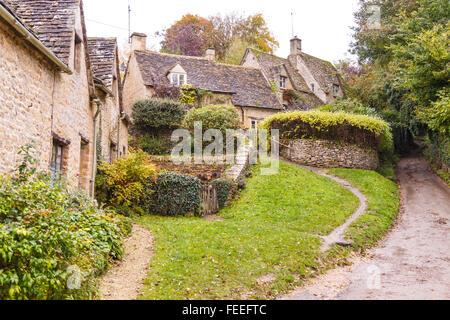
(272, 229)
(383, 205)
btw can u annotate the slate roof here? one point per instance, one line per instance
(323, 71)
(50, 20)
(271, 64)
(102, 52)
(248, 85)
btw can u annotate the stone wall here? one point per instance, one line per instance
(326, 154)
(38, 102)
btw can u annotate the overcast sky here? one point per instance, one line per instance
(323, 25)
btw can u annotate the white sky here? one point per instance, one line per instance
(323, 25)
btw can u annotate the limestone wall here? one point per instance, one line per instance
(326, 154)
(37, 101)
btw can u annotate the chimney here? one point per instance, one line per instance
(296, 46)
(210, 54)
(138, 41)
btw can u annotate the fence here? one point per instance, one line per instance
(210, 204)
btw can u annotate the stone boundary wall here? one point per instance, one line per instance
(328, 154)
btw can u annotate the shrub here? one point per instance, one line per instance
(175, 194)
(156, 145)
(123, 182)
(350, 106)
(213, 117)
(223, 187)
(337, 126)
(44, 229)
(155, 115)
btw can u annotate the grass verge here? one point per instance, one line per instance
(382, 208)
(270, 232)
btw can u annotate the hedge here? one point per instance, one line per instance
(174, 194)
(336, 126)
(213, 117)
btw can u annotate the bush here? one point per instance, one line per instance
(223, 187)
(213, 117)
(156, 145)
(350, 106)
(122, 183)
(46, 231)
(175, 194)
(339, 126)
(154, 115)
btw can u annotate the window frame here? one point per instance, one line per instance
(58, 153)
(175, 79)
(283, 82)
(336, 88)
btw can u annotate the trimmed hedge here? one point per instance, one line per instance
(154, 115)
(336, 126)
(213, 117)
(175, 194)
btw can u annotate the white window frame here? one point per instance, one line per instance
(181, 79)
(254, 121)
(283, 82)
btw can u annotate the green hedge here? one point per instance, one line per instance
(44, 229)
(213, 117)
(154, 115)
(175, 194)
(336, 126)
(224, 187)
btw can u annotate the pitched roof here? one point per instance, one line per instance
(323, 71)
(50, 20)
(248, 85)
(270, 65)
(102, 52)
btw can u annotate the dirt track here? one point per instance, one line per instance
(413, 262)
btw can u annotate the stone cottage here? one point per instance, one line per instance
(48, 93)
(243, 87)
(301, 81)
(112, 130)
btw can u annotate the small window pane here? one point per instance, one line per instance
(175, 79)
(182, 80)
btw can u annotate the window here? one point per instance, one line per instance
(254, 124)
(83, 171)
(56, 165)
(112, 152)
(178, 79)
(335, 90)
(283, 81)
(312, 87)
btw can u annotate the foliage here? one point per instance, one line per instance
(44, 229)
(224, 187)
(123, 182)
(188, 36)
(174, 194)
(339, 126)
(382, 207)
(156, 114)
(350, 106)
(164, 90)
(155, 145)
(236, 51)
(213, 117)
(190, 95)
(271, 229)
(437, 117)
(192, 34)
(438, 149)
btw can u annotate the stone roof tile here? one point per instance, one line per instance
(248, 85)
(102, 53)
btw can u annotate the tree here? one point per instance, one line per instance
(236, 51)
(254, 30)
(188, 36)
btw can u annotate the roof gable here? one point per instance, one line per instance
(248, 85)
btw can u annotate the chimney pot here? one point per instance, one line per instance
(138, 41)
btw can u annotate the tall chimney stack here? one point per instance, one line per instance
(138, 41)
(210, 54)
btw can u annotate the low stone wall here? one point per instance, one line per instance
(327, 154)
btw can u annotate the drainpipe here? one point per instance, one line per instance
(94, 160)
(121, 118)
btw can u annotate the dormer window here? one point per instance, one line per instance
(178, 79)
(283, 81)
(335, 90)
